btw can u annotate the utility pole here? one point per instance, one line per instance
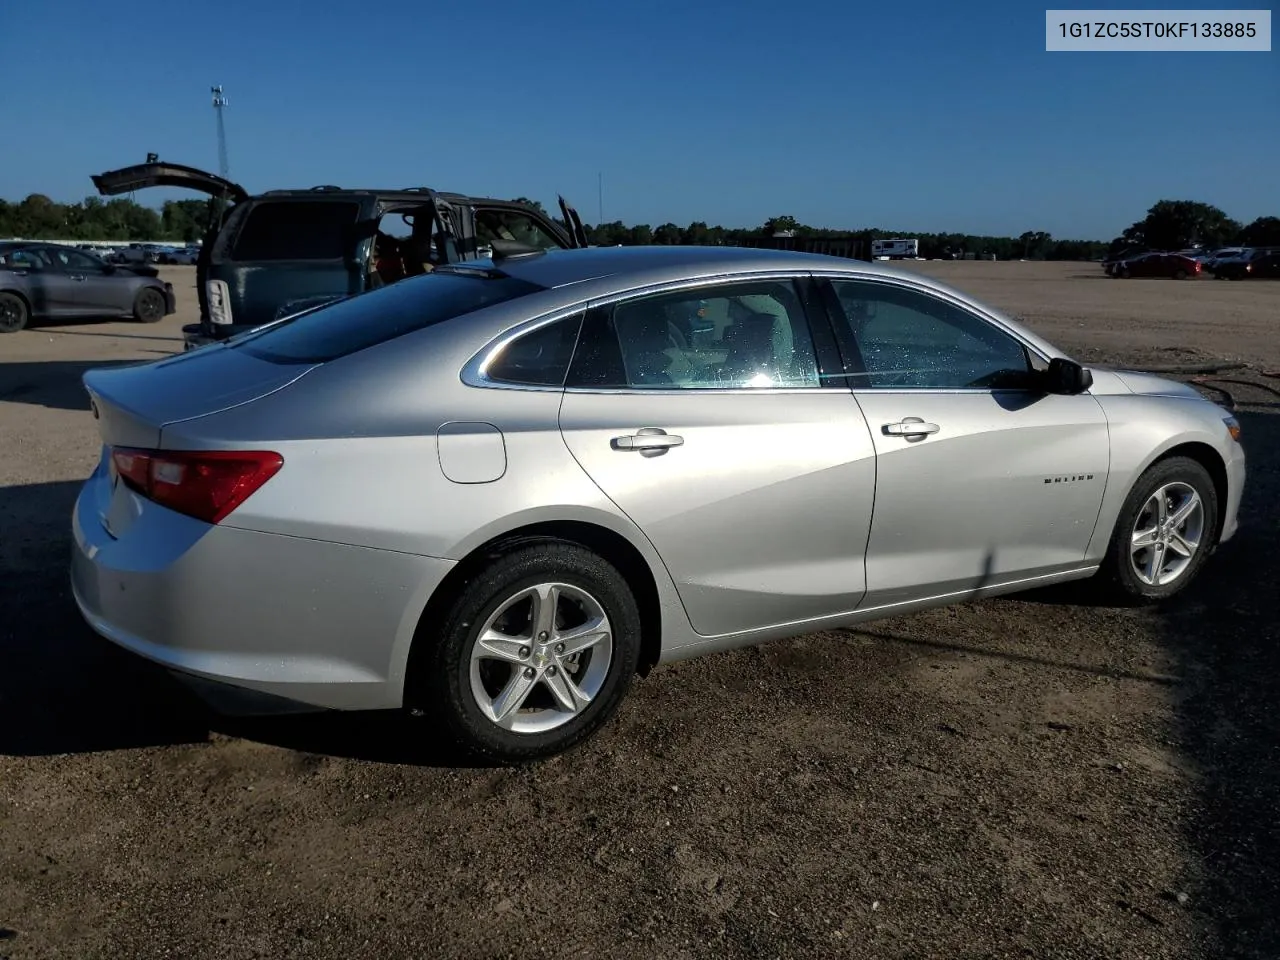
(600, 198)
(219, 102)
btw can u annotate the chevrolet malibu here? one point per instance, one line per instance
(495, 493)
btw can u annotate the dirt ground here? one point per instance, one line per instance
(1013, 778)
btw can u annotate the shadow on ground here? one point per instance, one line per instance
(1226, 641)
(65, 690)
(50, 383)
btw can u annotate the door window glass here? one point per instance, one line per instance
(727, 336)
(913, 340)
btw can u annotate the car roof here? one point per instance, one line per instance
(559, 268)
(419, 194)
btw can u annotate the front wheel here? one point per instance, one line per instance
(535, 654)
(149, 306)
(1165, 532)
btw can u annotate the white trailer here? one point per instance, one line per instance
(897, 249)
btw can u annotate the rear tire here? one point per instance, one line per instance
(13, 313)
(464, 685)
(1180, 275)
(1146, 560)
(149, 306)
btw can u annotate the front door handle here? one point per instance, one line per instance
(77, 276)
(649, 441)
(913, 428)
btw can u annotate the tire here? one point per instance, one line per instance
(1180, 275)
(464, 693)
(13, 313)
(1178, 477)
(149, 305)
(1123, 273)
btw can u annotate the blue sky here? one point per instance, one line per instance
(906, 116)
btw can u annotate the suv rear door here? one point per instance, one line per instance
(277, 250)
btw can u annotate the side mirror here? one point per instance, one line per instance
(1066, 377)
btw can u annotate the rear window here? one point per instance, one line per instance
(369, 319)
(297, 230)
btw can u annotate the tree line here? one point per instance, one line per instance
(1168, 225)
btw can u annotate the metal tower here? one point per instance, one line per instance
(220, 101)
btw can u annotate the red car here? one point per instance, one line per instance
(1173, 265)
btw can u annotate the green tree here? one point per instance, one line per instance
(1263, 232)
(1178, 224)
(668, 235)
(776, 225)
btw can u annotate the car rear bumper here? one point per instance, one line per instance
(318, 624)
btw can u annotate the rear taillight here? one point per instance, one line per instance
(205, 484)
(219, 296)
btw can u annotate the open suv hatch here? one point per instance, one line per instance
(269, 255)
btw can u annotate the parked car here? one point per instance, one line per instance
(1112, 261)
(1261, 264)
(48, 281)
(1223, 253)
(180, 256)
(275, 253)
(1175, 265)
(495, 492)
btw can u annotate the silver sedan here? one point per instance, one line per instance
(497, 492)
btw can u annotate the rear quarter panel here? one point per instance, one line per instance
(362, 460)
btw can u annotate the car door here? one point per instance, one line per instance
(36, 271)
(701, 412)
(93, 289)
(981, 478)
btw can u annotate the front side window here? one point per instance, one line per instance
(909, 339)
(750, 334)
(513, 226)
(77, 262)
(539, 358)
(297, 230)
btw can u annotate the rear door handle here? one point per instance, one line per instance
(77, 276)
(911, 428)
(649, 441)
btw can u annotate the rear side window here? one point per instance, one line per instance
(369, 319)
(297, 230)
(540, 358)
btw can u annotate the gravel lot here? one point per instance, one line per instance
(1011, 778)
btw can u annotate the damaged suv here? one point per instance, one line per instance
(273, 254)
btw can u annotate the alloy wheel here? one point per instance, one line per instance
(541, 658)
(1167, 534)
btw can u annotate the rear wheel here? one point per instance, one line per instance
(1164, 533)
(13, 313)
(1180, 274)
(149, 306)
(534, 655)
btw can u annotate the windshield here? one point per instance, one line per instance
(363, 321)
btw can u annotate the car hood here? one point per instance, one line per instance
(1108, 381)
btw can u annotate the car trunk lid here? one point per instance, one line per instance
(134, 403)
(141, 176)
